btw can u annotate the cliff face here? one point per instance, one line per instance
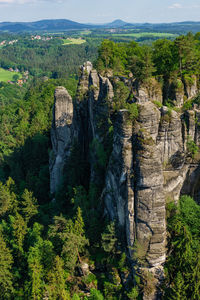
(149, 163)
(61, 135)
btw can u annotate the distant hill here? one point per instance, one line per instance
(175, 27)
(116, 23)
(63, 25)
(43, 25)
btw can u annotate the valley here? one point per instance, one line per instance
(99, 161)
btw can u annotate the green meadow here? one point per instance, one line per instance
(7, 75)
(146, 34)
(73, 41)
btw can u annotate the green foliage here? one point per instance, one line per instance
(121, 94)
(24, 139)
(133, 110)
(109, 238)
(182, 277)
(123, 58)
(69, 238)
(56, 286)
(111, 290)
(35, 273)
(190, 212)
(122, 262)
(47, 58)
(164, 57)
(157, 103)
(5, 199)
(111, 56)
(133, 294)
(76, 297)
(15, 77)
(192, 148)
(42, 250)
(90, 278)
(6, 276)
(95, 295)
(187, 105)
(29, 205)
(120, 100)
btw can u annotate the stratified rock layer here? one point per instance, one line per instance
(149, 162)
(61, 135)
(134, 192)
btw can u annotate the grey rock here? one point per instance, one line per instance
(191, 87)
(61, 135)
(149, 162)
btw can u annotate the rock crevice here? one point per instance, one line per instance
(149, 163)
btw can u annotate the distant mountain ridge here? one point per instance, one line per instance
(116, 23)
(64, 24)
(42, 25)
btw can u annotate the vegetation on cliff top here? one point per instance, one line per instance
(165, 58)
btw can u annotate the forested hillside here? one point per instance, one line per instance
(46, 58)
(70, 244)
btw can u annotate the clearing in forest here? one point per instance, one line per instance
(6, 75)
(73, 41)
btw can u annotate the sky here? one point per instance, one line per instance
(101, 11)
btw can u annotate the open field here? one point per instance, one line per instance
(72, 41)
(85, 32)
(7, 75)
(146, 34)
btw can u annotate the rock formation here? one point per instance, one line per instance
(149, 162)
(61, 135)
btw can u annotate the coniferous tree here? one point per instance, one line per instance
(6, 275)
(56, 286)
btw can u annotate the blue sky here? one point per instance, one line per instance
(100, 11)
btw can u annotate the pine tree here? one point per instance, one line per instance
(109, 238)
(29, 205)
(19, 230)
(179, 288)
(56, 286)
(6, 277)
(35, 274)
(75, 241)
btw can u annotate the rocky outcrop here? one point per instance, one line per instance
(134, 192)
(151, 90)
(61, 135)
(94, 110)
(119, 191)
(191, 86)
(149, 163)
(178, 90)
(169, 138)
(175, 91)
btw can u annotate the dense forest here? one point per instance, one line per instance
(46, 58)
(165, 58)
(64, 247)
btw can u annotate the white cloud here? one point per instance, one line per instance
(176, 5)
(32, 2)
(6, 1)
(15, 1)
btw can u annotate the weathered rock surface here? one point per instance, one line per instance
(150, 90)
(169, 138)
(118, 192)
(134, 186)
(94, 96)
(191, 87)
(61, 135)
(149, 163)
